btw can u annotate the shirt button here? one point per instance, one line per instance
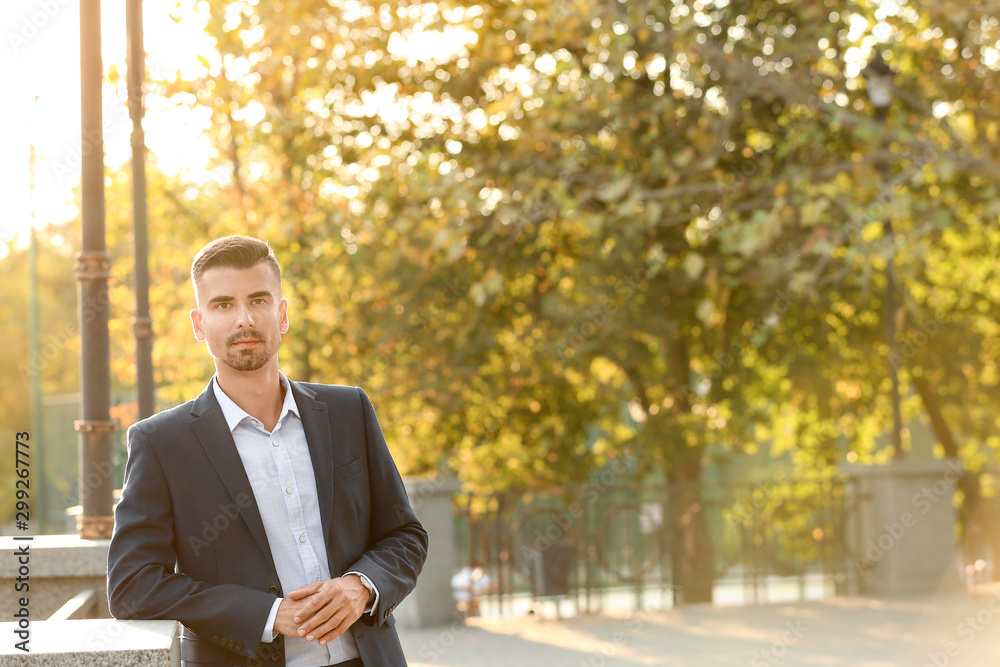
(275, 443)
(288, 490)
(302, 538)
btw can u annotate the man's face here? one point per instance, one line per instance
(240, 315)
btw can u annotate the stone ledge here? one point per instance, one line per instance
(94, 643)
(57, 556)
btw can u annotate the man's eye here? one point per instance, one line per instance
(260, 301)
(222, 306)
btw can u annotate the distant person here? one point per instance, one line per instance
(266, 515)
(468, 585)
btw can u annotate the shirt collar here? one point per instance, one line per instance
(234, 414)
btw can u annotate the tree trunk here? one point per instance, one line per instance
(693, 555)
(968, 483)
(303, 364)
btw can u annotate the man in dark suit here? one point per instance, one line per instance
(267, 516)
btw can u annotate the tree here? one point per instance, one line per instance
(568, 212)
(55, 366)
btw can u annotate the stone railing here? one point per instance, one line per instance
(54, 568)
(97, 642)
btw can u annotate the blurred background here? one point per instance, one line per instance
(562, 244)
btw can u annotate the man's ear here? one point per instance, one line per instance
(199, 332)
(283, 316)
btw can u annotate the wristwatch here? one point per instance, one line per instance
(366, 582)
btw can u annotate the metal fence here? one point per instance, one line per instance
(603, 547)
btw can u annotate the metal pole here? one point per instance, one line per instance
(879, 77)
(890, 312)
(890, 308)
(142, 325)
(33, 332)
(93, 266)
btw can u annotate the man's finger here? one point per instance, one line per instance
(333, 628)
(305, 591)
(314, 618)
(336, 632)
(310, 607)
(311, 615)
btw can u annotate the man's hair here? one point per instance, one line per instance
(233, 252)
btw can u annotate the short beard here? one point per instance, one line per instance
(247, 360)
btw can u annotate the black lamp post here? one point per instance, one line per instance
(142, 325)
(93, 267)
(879, 79)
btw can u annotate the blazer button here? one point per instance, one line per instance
(273, 590)
(239, 646)
(276, 656)
(215, 638)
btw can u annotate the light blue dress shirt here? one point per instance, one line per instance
(281, 476)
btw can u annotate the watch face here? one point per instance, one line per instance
(369, 586)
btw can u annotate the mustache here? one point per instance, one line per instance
(249, 334)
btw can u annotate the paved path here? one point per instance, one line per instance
(953, 630)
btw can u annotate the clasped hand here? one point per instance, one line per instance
(323, 610)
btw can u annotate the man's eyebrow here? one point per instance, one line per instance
(254, 295)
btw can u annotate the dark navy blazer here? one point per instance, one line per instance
(189, 543)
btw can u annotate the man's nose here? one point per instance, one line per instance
(243, 316)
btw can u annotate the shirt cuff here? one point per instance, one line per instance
(370, 609)
(268, 635)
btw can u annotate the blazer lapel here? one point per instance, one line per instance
(316, 424)
(217, 440)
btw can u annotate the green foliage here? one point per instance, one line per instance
(573, 231)
(58, 343)
(562, 232)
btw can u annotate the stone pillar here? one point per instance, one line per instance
(900, 527)
(431, 603)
